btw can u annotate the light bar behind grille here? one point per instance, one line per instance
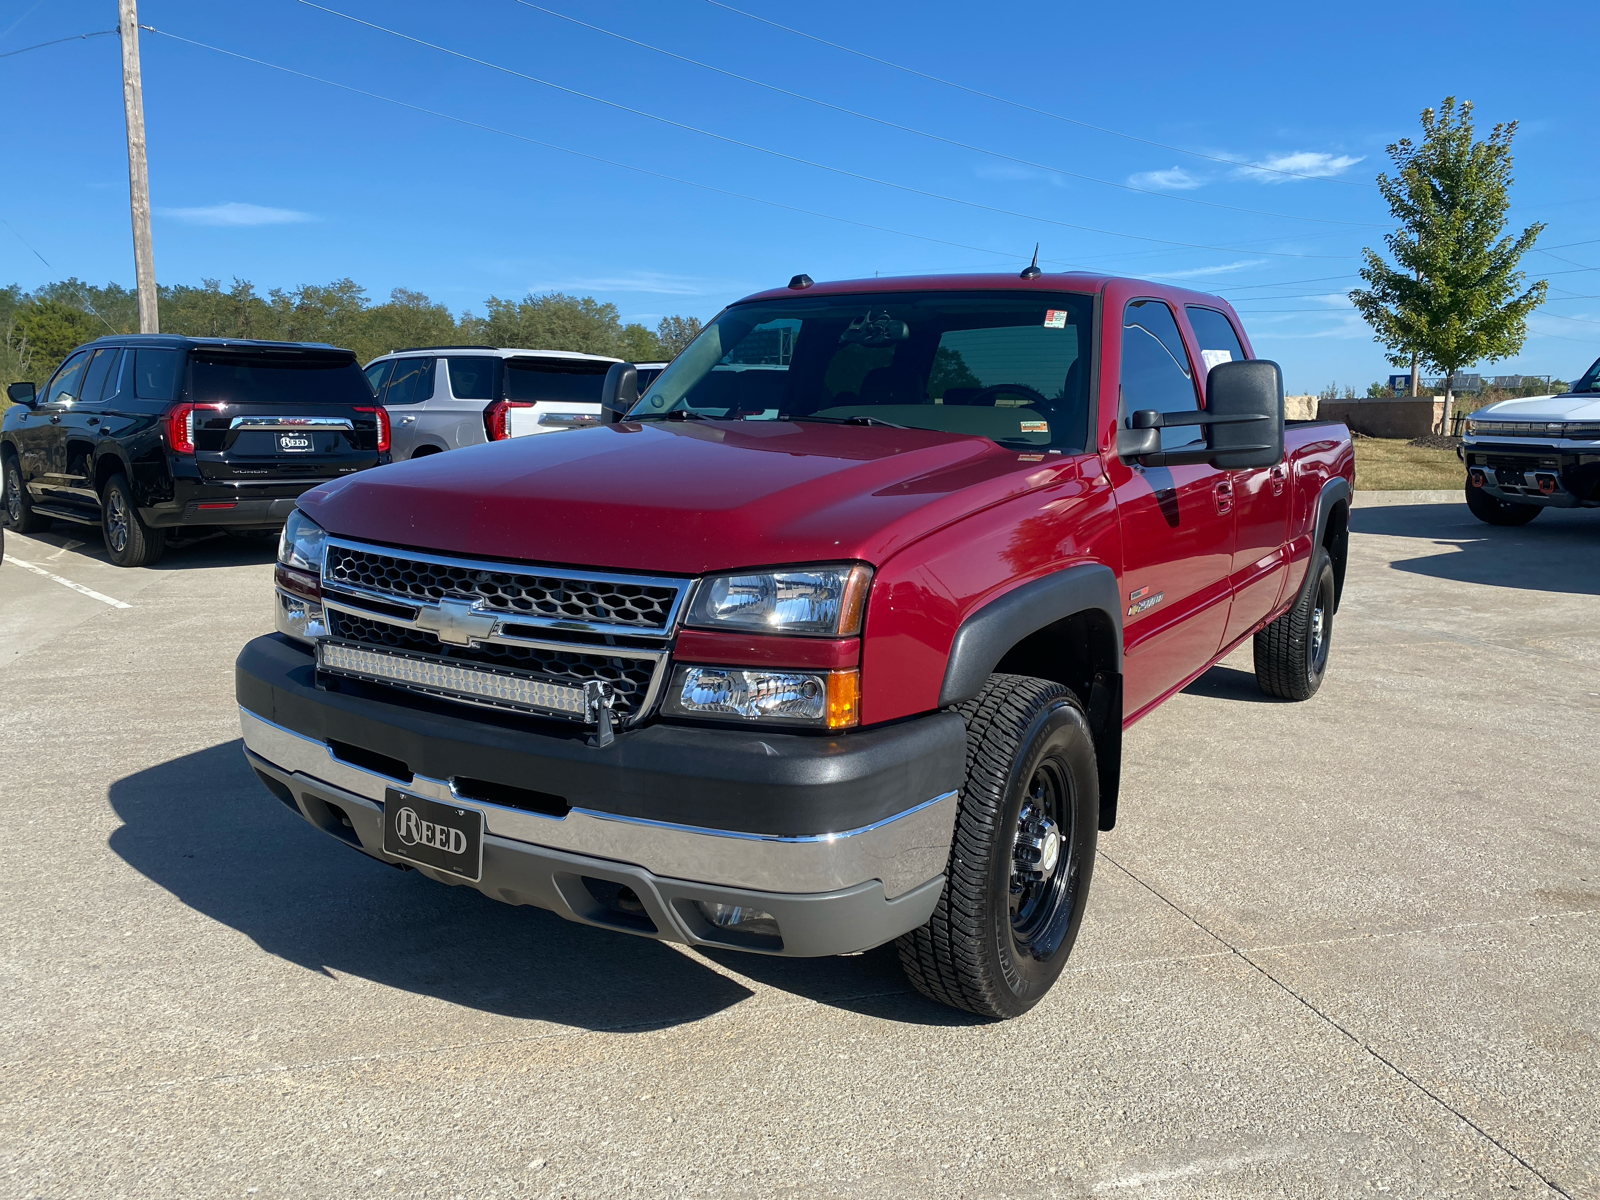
(475, 683)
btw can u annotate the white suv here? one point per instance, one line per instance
(444, 397)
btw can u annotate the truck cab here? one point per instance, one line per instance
(828, 638)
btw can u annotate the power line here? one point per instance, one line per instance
(77, 37)
(1029, 108)
(901, 187)
(922, 133)
(443, 116)
(25, 242)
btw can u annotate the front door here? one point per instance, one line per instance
(1177, 522)
(41, 442)
(82, 428)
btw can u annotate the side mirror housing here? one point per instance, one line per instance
(1134, 444)
(23, 393)
(619, 393)
(1245, 402)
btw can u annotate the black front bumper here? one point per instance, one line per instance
(744, 780)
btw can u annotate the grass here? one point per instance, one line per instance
(1388, 464)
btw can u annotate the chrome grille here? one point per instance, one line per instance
(501, 588)
(630, 677)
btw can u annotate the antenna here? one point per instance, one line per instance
(1031, 271)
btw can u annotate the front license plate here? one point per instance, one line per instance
(435, 835)
(295, 443)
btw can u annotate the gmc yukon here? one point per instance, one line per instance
(828, 639)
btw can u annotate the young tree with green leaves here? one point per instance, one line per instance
(1450, 299)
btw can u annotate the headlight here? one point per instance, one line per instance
(823, 699)
(824, 601)
(297, 604)
(302, 544)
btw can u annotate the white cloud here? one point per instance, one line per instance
(237, 214)
(652, 283)
(1173, 179)
(1315, 163)
(1224, 269)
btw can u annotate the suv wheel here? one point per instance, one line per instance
(129, 541)
(1495, 511)
(1292, 653)
(1021, 857)
(19, 514)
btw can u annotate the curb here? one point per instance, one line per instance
(1383, 499)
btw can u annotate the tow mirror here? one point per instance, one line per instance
(1245, 402)
(1243, 422)
(23, 393)
(619, 393)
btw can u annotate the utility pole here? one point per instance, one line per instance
(144, 255)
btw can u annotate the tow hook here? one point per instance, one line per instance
(1475, 478)
(1547, 484)
(598, 697)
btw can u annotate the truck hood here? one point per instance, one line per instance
(1582, 406)
(684, 498)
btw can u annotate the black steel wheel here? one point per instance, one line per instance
(1291, 654)
(1021, 857)
(129, 541)
(19, 514)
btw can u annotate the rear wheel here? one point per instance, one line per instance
(19, 514)
(1495, 511)
(1021, 857)
(129, 541)
(1292, 653)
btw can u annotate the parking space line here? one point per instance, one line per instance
(77, 587)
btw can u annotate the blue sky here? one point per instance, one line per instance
(282, 180)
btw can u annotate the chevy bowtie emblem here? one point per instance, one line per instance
(456, 622)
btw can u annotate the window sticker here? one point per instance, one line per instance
(1213, 358)
(1055, 318)
(1036, 427)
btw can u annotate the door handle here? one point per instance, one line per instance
(1224, 494)
(1279, 474)
(94, 420)
(56, 420)
(408, 420)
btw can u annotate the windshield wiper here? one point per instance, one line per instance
(676, 414)
(845, 421)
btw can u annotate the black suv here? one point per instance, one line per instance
(143, 434)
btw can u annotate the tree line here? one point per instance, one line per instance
(43, 326)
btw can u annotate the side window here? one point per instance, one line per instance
(64, 387)
(377, 375)
(117, 376)
(94, 379)
(1155, 370)
(472, 377)
(1219, 343)
(155, 374)
(411, 382)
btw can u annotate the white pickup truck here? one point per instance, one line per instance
(1526, 455)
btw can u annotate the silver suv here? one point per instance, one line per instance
(444, 397)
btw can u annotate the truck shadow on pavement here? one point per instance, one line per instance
(204, 828)
(1558, 552)
(223, 550)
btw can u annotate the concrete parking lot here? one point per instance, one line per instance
(1340, 948)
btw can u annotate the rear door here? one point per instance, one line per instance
(265, 415)
(1177, 523)
(407, 398)
(550, 394)
(1260, 497)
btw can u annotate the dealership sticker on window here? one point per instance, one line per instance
(1214, 358)
(1036, 427)
(1055, 318)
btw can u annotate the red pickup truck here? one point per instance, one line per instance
(826, 640)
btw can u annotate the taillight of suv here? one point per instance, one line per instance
(383, 427)
(180, 426)
(497, 418)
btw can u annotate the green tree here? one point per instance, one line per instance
(554, 321)
(1451, 298)
(43, 332)
(675, 334)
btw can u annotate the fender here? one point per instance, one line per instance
(1335, 491)
(986, 636)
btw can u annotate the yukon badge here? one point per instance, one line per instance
(1141, 600)
(456, 622)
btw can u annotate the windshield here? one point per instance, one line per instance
(1591, 379)
(571, 379)
(242, 379)
(1013, 367)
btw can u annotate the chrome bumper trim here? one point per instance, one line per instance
(902, 851)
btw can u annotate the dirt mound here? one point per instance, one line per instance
(1436, 441)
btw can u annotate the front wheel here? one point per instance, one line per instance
(1495, 511)
(129, 541)
(1292, 653)
(19, 514)
(1021, 856)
